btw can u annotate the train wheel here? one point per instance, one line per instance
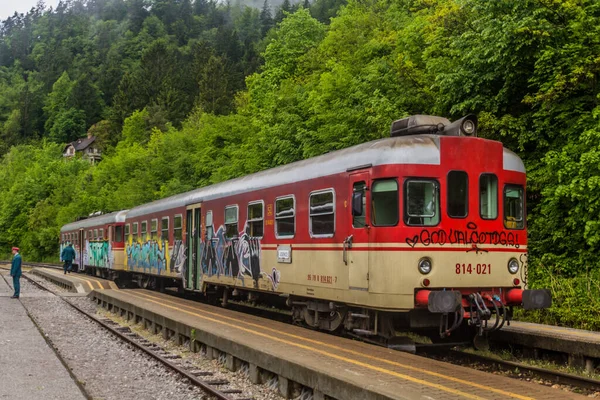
(481, 343)
(321, 316)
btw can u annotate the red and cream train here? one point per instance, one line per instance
(424, 230)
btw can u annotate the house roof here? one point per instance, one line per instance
(81, 144)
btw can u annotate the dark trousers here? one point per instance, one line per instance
(68, 265)
(17, 285)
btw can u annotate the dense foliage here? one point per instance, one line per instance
(184, 94)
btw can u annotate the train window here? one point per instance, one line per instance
(118, 233)
(209, 225)
(135, 232)
(95, 234)
(359, 219)
(255, 227)
(127, 233)
(231, 221)
(322, 214)
(421, 199)
(90, 236)
(513, 207)
(458, 194)
(101, 236)
(177, 228)
(164, 228)
(488, 196)
(384, 202)
(144, 230)
(154, 229)
(285, 217)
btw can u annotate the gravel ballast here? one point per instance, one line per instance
(111, 369)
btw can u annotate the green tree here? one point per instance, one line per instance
(64, 121)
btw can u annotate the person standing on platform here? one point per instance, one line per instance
(68, 255)
(15, 272)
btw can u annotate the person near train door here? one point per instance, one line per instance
(68, 255)
(15, 272)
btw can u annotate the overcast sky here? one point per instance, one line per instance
(8, 7)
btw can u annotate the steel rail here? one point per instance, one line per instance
(205, 386)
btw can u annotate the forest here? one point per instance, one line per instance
(182, 94)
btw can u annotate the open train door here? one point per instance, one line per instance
(192, 276)
(356, 244)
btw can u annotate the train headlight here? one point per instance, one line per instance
(513, 266)
(425, 265)
(468, 127)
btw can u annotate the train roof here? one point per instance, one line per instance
(117, 216)
(421, 149)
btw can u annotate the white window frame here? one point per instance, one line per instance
(181, 228)
(328, 235)
(262, 203)
(154, 233)
(127, 233)
(237, 219)
(144, 233)
(287, 196)
(161, 227)
(101, 233)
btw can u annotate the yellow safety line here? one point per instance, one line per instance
(100, 285)
(74, 277)
(499, 391)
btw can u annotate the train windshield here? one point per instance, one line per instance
(513, 207)
(422, 199)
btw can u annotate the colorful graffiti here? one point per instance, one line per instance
(98, 254)
(234, 257)
(153, 256)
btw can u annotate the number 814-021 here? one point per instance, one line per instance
(479, 269)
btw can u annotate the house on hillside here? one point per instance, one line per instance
(87, 147)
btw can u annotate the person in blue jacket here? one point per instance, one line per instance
(68, 255)
(15, 272)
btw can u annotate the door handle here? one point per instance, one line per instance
(346, 245)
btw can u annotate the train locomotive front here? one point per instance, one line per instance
(455, 252)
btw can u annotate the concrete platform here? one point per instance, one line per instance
(580, 345)
(78, 283)
(29, 368)
(333, 366)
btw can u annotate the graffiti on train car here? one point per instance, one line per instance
(177, 256)
(98, 253)
(153, 256)
(236, 257)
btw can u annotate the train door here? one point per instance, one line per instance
(193, 232)
(79, 254)
(356, 244)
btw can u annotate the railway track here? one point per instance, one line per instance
(154, 351)
(435, 351)
(555, 377)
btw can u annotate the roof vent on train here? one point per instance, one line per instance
(432, 125)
